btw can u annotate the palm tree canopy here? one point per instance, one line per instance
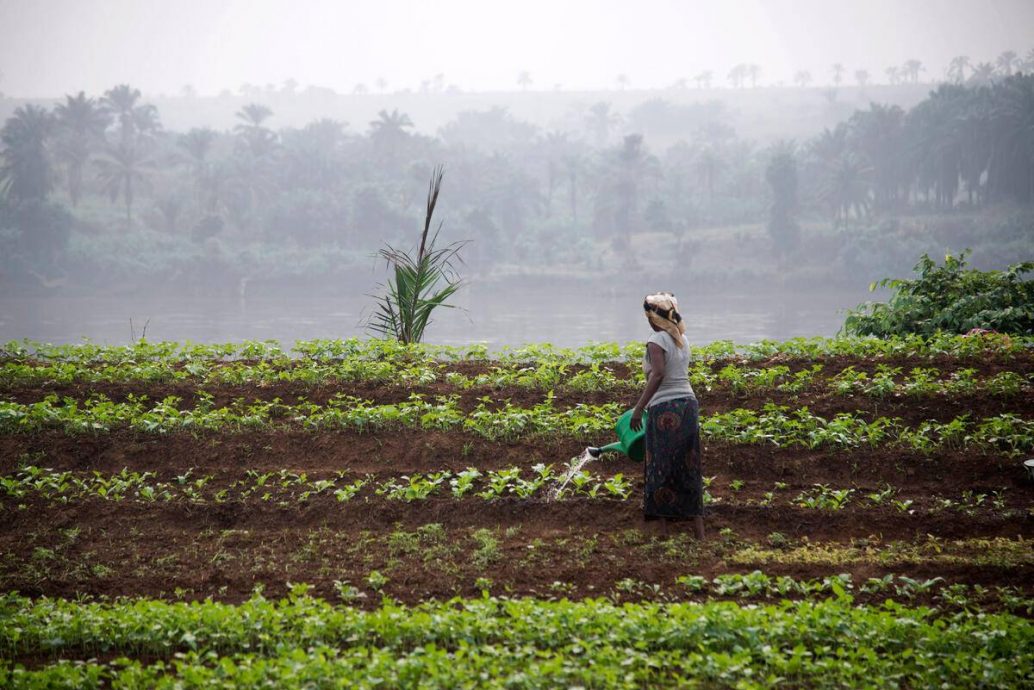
(25, 171)
(198, 142)
(390, 125)
(82, 116)
(121, 99)
(252, 116)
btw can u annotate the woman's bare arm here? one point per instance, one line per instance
(652, 384)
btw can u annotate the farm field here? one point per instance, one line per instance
(364, 513)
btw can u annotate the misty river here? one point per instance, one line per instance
(493, 315)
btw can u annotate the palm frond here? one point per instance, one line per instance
(418, 285)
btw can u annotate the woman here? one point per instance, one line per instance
(674, 484)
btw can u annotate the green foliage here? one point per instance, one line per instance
(781, 175)
(25, 169)
(1006, 433)
(284, 487)
(950, 299)
(538, 367)
(198, 359)
(420, 284)
(41, 232)
(822, 497)
(299, 642)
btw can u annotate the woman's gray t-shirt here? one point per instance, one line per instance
(676, 368)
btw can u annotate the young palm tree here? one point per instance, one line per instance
(419, 284)
(524, 80)
(81, 124)
(802, 78)
(25, 172)
(862, 77)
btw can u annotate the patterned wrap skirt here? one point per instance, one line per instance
(674, 480)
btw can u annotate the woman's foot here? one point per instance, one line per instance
(656, 526)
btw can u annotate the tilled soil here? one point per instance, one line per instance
(586, 546)
(442, 546)
(405, 451)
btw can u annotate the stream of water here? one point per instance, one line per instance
(574, 468)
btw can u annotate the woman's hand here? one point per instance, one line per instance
(636, 423)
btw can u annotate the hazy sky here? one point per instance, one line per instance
(52, 47)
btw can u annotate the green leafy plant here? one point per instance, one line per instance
(419, 284)
(822, 497)
(376, 581)
(950, 298)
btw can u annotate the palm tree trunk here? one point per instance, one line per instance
(129, 201)
(75, 182)
(550, 188)
(573, 176)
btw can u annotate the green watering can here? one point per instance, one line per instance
(631, 443)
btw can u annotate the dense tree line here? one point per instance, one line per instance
(514, 189)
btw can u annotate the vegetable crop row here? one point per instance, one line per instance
(304, 642)
(323, 350)
(285, 486)
(100, 414)
(546, 376)
(1006, 433)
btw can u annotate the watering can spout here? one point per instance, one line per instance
(615, 447)
(630, 442)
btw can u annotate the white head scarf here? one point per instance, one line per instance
(662, 310)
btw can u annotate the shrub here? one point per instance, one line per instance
(949, 298)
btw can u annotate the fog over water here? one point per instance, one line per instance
(227, 170)
(494, 317)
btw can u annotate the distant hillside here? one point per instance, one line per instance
(762, 114)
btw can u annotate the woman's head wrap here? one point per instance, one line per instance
(662, 310)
